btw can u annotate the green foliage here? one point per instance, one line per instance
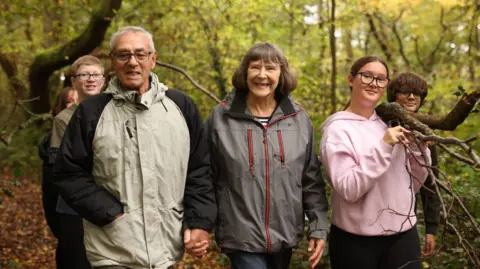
(22, 153)
(15, 182)
(208, 39)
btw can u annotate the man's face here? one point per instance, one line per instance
(409, 100)
(88, 80)
(133, 71)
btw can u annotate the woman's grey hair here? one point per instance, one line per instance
(127, 29)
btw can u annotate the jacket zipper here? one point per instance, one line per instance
(267, 176)
(267, 188)
(280, 142)
(250, 152)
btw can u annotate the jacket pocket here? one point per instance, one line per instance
(119, 231)
(250, 152)
(280, 144)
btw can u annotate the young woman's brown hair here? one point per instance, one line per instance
(65, 97)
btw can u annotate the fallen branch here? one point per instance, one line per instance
(474, 161)
(426, 123)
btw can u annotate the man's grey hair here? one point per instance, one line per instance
(127, 29)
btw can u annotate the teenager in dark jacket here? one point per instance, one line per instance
(264, 165)
(409, 90)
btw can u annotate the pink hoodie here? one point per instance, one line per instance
(372, 192)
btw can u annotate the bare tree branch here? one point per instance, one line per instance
(399, 39)
(198, 86)
(382, 43)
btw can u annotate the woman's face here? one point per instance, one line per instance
(262, 78)
(368, 94)
(71, 98)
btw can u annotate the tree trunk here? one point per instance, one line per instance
(217, 67)
(333, 82)
(9, 65)
(47, 62)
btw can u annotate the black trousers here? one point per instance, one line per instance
(68, 229)
(70, 249)
(400, 251)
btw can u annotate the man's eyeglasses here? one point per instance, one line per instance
(368, 78)
(88, 76)
(140, 56)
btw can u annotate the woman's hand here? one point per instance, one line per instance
(396, 135)
(316, 246)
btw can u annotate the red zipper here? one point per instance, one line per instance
(267, 176)
(280, 142)
(267, 187)
(250, 152)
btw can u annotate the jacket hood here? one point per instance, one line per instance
(347, 116)
(155, 93)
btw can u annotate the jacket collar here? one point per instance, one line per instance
(238, 103)
(155, 93)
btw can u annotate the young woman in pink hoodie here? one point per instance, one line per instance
(374, 178)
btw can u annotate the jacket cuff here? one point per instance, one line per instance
(319, 234)
(110, 215)
(203, 224)
(431, 228)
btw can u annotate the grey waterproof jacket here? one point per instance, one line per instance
(266, 178)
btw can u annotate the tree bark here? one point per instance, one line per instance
(214, 52)
(333, 52)
(9, 66)
(47, 62)
(382, 42)
(426, 123)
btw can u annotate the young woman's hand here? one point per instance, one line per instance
(396, 135)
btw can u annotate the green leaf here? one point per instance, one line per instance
(13, 264)
(7, 192)
(16, 172)
(457, 93)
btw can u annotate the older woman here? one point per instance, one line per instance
(264, 166)
(374, 179)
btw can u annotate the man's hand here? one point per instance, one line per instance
(429, 247)
(316, 245)
(196, 242)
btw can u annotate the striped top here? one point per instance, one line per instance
(263, 120)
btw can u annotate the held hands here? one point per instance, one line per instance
(316, 245)
(396, 135)
(429, 247)
(196, 242)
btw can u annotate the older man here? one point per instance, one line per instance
(134, 164)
